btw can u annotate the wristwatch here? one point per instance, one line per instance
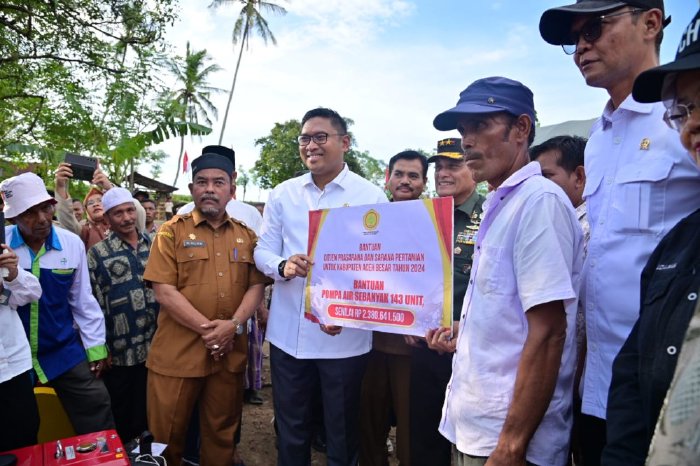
(239, 326)
(280, 268)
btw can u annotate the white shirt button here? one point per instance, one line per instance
(692, 296)
(671, 350)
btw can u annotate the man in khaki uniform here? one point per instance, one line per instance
(203, 275)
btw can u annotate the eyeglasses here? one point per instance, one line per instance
(677, 115)
(320, 138)
(592, 30)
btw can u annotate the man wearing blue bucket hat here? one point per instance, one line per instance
(509, 399)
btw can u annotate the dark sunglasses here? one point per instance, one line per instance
(592, 30)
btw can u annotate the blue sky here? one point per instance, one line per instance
(390, 65)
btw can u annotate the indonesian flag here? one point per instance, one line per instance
(185, 163)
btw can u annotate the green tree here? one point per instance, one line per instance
(243, 180)
(279, 157)
(57, 58)
(193, 97)
(366, 166)
(250, 19)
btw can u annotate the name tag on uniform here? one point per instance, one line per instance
(194, 244)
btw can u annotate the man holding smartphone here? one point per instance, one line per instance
(96, 227)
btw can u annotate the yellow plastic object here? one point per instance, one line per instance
(54, 424)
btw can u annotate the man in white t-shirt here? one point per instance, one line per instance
(509, 399)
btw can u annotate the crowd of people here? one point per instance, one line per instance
(575, 297)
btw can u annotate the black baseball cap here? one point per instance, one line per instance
(450, 148)
(555, 23)
(649, 85)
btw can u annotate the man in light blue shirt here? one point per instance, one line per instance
(304, 355)
(640, 182)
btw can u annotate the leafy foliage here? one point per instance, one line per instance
(82, 76)
(279, 155)
(243, 180)
(192, 100)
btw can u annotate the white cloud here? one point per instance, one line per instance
(345, 54)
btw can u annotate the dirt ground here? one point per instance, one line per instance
(257, 447)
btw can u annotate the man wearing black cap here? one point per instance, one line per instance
(639, 184)
(241, 211)
(201, 267)
(509, 399)
(431, 370)
(251, 217)
(644, 367)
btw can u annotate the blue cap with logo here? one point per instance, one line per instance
(649, 85)
(489, 95)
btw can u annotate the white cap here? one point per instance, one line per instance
(115, 197)
(22, 192)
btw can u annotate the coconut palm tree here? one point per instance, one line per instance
(249, 21)
(193, 98)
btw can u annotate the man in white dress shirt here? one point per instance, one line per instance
(639, 180)
(20, 414)
(509, 399)
(304, 355)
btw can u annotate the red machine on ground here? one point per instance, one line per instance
(98, 448)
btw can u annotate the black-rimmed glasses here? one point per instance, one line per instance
(592, 30)
(319, 138)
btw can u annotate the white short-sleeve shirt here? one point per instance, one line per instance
(528, 252)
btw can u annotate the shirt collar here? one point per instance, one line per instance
(198, 217)
(581, 211)
(512, 182)
(628, 104)
(522, 174)
(339, 180)
(468, 206)
(52, 242)
(116, 241)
